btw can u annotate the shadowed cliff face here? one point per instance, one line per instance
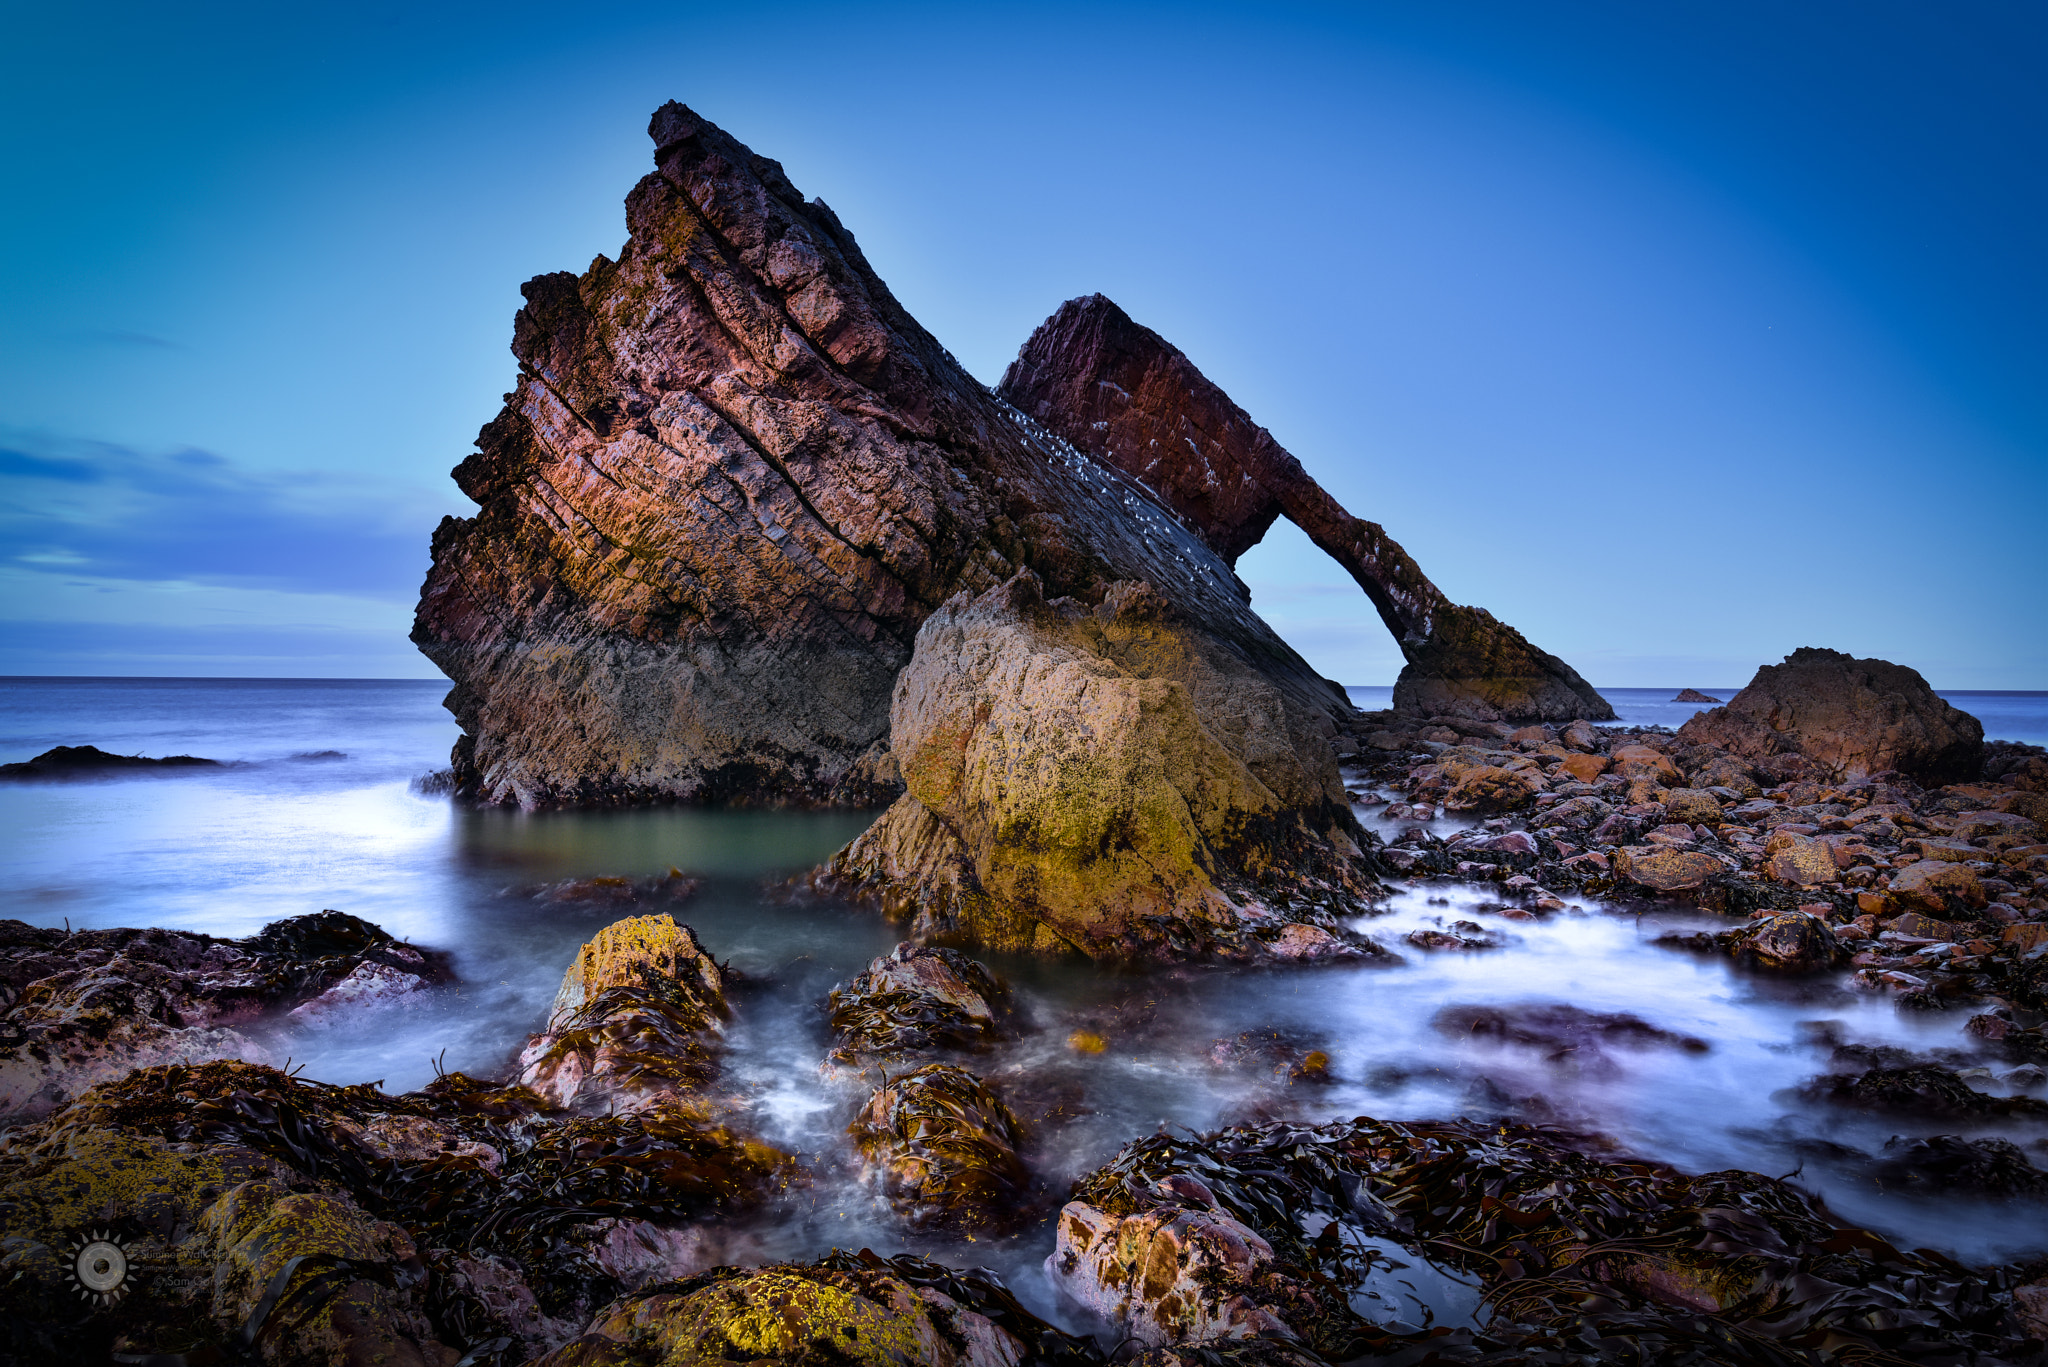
(1121, 393)
(733, 479)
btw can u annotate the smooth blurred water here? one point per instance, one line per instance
(2009, 715)
(272, 835)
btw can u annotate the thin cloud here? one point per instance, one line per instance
(108, 512)
(115, 337)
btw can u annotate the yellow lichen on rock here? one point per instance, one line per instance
(1098, 779)
(617, 955)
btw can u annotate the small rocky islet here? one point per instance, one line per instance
(748, 534)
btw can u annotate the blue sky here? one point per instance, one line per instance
(1679, 335)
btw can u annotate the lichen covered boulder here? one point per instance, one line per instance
(845, 1310)
(638, 1019)
(1104, 780)
(436, 1221)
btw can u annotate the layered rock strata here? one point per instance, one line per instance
(1121, 393)
(732, 481)
(1111, 780)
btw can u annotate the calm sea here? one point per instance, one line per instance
(315, 810)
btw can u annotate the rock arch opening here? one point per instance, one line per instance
(1122, 393)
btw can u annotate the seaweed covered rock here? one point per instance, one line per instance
(1792, 941)
(1176, 1268)
(637, 1020)
(1850, 717)
(81, 1007)
(914, 999)
(1120, 392)
(214, 1243)
(942, 1146)
(845, 1310)
(453, 1216)
(1105, 780)
(1923, 1090)
(1583, 1260)
(1948, 1162)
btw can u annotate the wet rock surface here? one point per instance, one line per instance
(914, 1000)
(846, 1308)
(1273, 1231)
(943, 1148)
(86, 1006)
(637, 1020)
(218, 1176)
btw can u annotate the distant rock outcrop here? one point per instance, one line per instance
(733, 480)
(89, 761)
(1851, 717)
(1121, 393)
(1694, 695)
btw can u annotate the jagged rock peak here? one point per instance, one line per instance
(1124, 394)
(733, 479)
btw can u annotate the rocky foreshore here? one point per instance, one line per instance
(748, 534)
(1818, 832)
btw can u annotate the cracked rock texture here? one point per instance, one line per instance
(1121, 393)
(733, 479)
(1109, 780)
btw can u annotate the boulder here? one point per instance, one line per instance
(1938, 885)
(1493, 788)
(80, 1008)
(845, 1310)
(1791, 941)
(1665, 869)
(1637, 761)
(89, 761)
(638, 1020)
(1119, 392)
(217, 1176)
(1585, 768)
(1581, 735)
(1798, 860)
(1179, 1269)
(1104, 779)
(732, 480)
(942, 1147)
(1693, 1268)
(1849, 717)
(915, 999)
(1694, 806)
(1574, 814)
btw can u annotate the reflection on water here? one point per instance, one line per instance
(651, 841)
(227, 851)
